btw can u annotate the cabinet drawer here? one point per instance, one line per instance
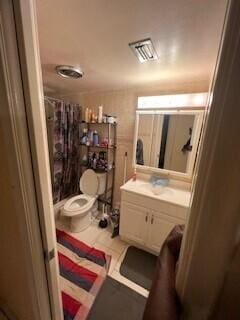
(156, 205)
(146, 202)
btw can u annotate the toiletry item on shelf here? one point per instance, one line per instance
(100, 114)
(102, 155)
(84, 137)
(84, 160)
(90, 115)
(97, 161)
(90, 159)
(94, 165)
(86, 115)
(95, 138)
(104, 143)
(90, 137)
(93, 117)
(111, 119)
(101, 161)
(104, 119)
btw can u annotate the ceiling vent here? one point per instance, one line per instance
(69, 72)
(144, 50)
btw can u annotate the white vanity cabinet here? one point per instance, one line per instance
(133, 222)
(147, 220)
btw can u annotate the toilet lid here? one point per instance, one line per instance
(89, 182)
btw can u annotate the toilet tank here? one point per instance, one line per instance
(102, 182)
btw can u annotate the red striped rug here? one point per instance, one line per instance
(83, 270)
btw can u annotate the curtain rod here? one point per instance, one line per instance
(49, 99)
(54, 99)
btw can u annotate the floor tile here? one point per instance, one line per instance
(115, 244)
(114, 255)
(89, 236)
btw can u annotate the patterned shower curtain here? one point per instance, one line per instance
(66, 157)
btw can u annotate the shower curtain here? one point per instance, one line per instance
(66, 157)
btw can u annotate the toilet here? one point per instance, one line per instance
(79, 208)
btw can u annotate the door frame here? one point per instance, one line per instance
(23, 76)
(211, 236)
(192, 252)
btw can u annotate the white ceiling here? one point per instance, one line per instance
(94, 34)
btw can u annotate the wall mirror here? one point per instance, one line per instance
(167, 141)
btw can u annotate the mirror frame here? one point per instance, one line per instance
(198, 122)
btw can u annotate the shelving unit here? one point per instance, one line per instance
(107, 198)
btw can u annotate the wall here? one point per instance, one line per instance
(178, 135)
(123, 105)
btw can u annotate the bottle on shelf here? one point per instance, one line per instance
(84, 160)
(94, 163)
(95, 138)
(100, 114)
(86, 115)
(90, 115)
(90, 137)
(84, 137)
(93, 118)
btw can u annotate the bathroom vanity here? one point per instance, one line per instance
(166, 142)
(146, 218)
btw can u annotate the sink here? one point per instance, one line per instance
(155, 189)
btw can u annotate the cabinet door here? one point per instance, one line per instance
(134, 222)
(160, 227)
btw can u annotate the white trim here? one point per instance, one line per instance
(28, 44)
(28, 219)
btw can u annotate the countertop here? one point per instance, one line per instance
(170, 194)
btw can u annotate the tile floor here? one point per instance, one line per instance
(101, 239)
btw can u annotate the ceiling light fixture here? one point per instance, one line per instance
(69, 72)
(144, 50)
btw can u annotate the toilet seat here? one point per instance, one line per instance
(89, 183)
(74, 207)
(79, 208)
(78, 205)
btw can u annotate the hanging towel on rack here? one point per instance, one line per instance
(139, 152)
